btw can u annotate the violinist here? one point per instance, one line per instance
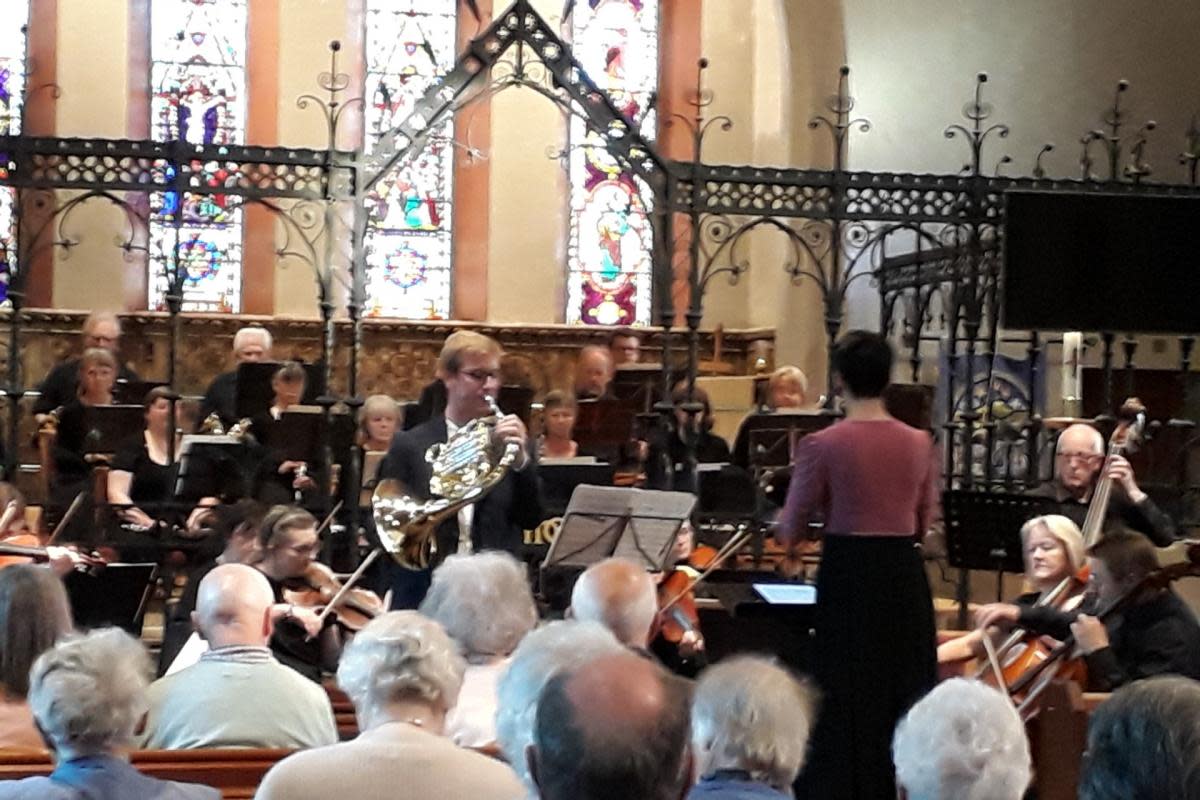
(1155, 634)
(280, 478)
(678, 642)
(1078, 459)
(1053, 550)
(14, 530)
(289, 543)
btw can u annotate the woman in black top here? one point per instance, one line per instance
(97, 373)
(280, 478)
(668, 452)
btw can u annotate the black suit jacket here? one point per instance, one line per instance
(512, 506)
(61, 385)
(221, 397)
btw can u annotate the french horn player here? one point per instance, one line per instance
(460, 482)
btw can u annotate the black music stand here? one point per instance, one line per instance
(561, 478)
(127, 392)
(115, 595)
(603, 426)
(515, 399)
(254, 392)
(296, 436)
(983, 529)
(206, 465)
(109, 426)
(639, 384)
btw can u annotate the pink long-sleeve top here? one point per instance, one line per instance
(871, 476)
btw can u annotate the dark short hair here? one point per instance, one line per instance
(864, 361)
(1144, 743)
(679, 395)
(290, 372)
(155, 394)
(1128, 555)
(34, 614)
(623, 333)
(283, 518)
(244, 517)
(572, 764)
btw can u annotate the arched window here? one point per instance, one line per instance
(198, 95)
(409, 45)
(12, 99)
(608, 255)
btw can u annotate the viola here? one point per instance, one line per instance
(318, 587)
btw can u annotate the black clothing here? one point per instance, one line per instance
(668, 452)
(290, 642)
(221, 398)
(61, 385)
(431, 404)
(1158, 636)
(1145, 517)
(152, 483)
(270, 486)
(70, 467)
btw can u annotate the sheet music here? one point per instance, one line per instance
(604, 521)
(189, 654)
(787, 594)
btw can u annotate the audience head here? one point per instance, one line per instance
(1053, 548)
(862, 364)
(401, 659)
(378, 420)
(469, 365)
(545, 652)
(625, 346)
(787, 388)
(679, 395)
(251, 344)
(1119, 561)
(231, 607)
(1144, 743)
(1078, 456)
(483, 602)
(616, 726)
(97, 372)
(289, 542)
(288, 384)
(750, 714)
(559, 409)
(34, 614)
(620, 595)
(102, 329)
(962, 740)
(88, 692)
(593, 371)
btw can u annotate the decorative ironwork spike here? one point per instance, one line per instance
(568, 8)
(473, 7)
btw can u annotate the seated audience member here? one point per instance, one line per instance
(962, 740)
(238, 695)
(665, 465)
(87, 694)
(787, 388)
(625, 347)
(545, 652)
(1155, 634)
(279, 478)
(403, 674)
(34, 614)
(559, 410)
(483, 601)
(750, 726)
(101, 331)
(378, 421)
(593, 372)
(1144, 743)
(250, 345)
(616, 726)
(620, 595)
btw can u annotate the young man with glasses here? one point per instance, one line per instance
(469, 366)
(1078, 458)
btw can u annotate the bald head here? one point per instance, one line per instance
(618, 594)
(1079, 454)
(231, 607)
(593, 371)
(615, 726)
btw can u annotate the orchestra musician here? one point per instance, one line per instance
(1078, 458)
(378, 421)
(787, 390)
(1155, 634)
(101, 330)
(97, 374)
(279, 478)
(251, 344)
(14, 530)
(469, 366)
(873, 480)
(666, 463)
(593, 372)
(625, 347)
(558, 422)
(1053, 549)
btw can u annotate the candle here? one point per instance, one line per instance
(1072, 354)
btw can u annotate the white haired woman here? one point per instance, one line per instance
(750, 725)
(87, 694)
(403, 674)
(963, 739)
(1053, 550)
(484, 602)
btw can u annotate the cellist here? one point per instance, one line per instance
(1053, 549)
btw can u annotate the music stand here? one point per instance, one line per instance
(205, 464)
(127, 392)
(604, 521)
(561, 478)
(638, 384)
(109, 426)
(983, 529)
(515, 399)
(115, 595)
(603, 426)
(296, 436)
(254, 392)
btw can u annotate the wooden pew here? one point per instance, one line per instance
(1058, 737)
(236, 772)
(343, 713)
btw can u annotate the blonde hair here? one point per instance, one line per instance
(464, 343)
(1064, 530)
(376, 404)
(788, 374)
(97, 357)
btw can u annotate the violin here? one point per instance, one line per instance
(318, 587)
(18, 552)
(677, 613)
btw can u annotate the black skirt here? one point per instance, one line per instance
(875, 656)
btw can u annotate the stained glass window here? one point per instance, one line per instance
(409, 45)
(12, 99)
(198, 95)
(608, 254)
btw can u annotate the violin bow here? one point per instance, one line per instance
(348, 584)
(729, 548)
(10, 514)
(329, 520)
(62, 523)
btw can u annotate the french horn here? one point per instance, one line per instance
(465, 468)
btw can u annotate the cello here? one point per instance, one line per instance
(1025, 653)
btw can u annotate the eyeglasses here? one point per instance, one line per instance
(303, 549)
(1084, 458)
(479, 375)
